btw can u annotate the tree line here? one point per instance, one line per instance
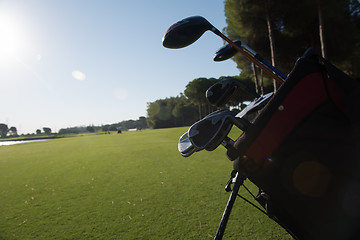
(5, 131)
(123, 126)
(141, 123)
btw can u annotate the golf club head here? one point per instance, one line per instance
(209, 132)
(255, 105)
(185, 147)
(185, 32)
(226, 52)
(221, 92)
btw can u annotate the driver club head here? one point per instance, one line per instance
(185, 32)
(185, 147)
(226, 52)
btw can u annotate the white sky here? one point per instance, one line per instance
(66, 63)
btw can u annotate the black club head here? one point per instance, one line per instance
(226, 52)
(185, 32)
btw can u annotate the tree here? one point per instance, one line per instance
(73, 130)
(47, 130)
(321, 31)
(13, 131)
(171, 112)
(38, 131)
(141, 123)
(195, 92)
(255, 21)
(112, 127)
(341, 33)
(3, 130)
(128, 124)
(185, 111)
(105, 128)
(160, 113)
(90, 129)
(268, 9)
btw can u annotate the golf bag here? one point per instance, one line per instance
(302, 151)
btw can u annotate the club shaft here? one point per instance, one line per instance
(258, 57)
(266, 63)
(267, 69)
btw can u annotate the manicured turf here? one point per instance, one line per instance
(133, 185)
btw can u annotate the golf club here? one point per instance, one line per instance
(255, 105)
(210, 132)
(228, 51)
(220, 93)
(188, 30)
(185, 147)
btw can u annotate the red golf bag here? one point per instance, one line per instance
(303, 151)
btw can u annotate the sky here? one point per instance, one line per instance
(67, 63)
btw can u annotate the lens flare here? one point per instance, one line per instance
(312, 178)
(78, 75)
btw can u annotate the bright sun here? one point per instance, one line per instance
(13, 37)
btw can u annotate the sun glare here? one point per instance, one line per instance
(13, 37)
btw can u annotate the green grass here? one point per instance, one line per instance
(133, 185)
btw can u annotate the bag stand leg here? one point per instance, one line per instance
(225, 217)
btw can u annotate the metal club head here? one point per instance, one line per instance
(185, 147)
(255, 105)
(209, 132)
(226, 52)
(185, 32)
(220, 93)
(212, 128)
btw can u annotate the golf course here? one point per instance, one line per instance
(133, 185)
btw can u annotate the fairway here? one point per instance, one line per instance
(133, 185)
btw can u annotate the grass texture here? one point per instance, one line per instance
(133, 185)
